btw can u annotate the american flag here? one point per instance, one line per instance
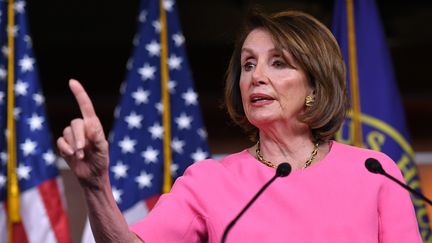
(42, 210)
(136, 141)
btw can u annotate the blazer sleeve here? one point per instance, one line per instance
(397, 218)
(178, 216)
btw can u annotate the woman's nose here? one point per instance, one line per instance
(259, 75)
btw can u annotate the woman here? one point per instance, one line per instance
(285, 86)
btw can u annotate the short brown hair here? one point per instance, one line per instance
(315, 49)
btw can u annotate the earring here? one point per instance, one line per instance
(309, 101)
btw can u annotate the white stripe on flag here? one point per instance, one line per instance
(87, 236)
(3, 224)
(60, 186)
(35, 218)
(135, 213)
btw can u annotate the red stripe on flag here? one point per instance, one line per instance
(18, 233)
(150, 202)
(51, 198)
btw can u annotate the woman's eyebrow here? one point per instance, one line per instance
(250, 50)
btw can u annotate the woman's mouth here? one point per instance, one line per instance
(260, 99)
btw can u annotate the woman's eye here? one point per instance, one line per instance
(279, 63)
(248, 66)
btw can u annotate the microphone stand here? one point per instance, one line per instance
(374, 166)
(418, 194)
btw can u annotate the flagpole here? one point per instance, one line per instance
(352, 65)
(166, 115)
(13, 205)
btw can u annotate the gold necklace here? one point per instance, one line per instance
(271, 164)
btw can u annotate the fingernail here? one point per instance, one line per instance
(79, 145)
(80, 154)
(70, 152)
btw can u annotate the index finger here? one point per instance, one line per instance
(82, 98)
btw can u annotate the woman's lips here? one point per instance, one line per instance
(261, 99)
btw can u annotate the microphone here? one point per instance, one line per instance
(282, 170)
(374, 166)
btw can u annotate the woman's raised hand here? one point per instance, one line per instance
(83, 144)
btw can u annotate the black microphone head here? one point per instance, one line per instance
(374, 166)
(283, 169)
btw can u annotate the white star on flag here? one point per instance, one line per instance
(3, 157)
(168, 5)
(120, 170)
(202, 133)
(35, 122)
(133, 120)
(1, 97)
(147, 72)
(2, 181)
(116, 111)
(150, 155)
(127, 145)
(49, 157)
(178, 39)
(3, 73)
(177, 145)
(28, 41)
(122, 88)
(38, 98)
(157, 26)
(14, 30)
(174, 62)
(153, 48)
(21, 88)
(141, 96)
(183, 121)
(23, 172)
(19, 6)
(129, 64)
(17, 113)
(159, 107)
(174, 168)
(144, 180)
(156, 131)
(28, 147)
(142, 16)
(117, 194)
(26, 63)
(190, 97)
(171, 86)
(199, 155)
(136, 40)
(5, 51)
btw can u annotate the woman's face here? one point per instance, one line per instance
(273, 86)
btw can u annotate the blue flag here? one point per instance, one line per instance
(376, 119)
(43, 218)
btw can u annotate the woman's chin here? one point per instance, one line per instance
(263, 121)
